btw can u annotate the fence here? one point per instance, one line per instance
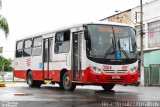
(7, 76)
(152, 74)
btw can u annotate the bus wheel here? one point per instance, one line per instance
(37, 84)
(108, 87)
(61, 85)
(67, 84)
(31, 82)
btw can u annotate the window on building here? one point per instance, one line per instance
(27, 47)
(62, 41)
(37, 46)
(19, 49)
(154, 34)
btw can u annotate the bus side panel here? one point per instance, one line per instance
(55, 75)
(36, 67)
(37, 74)
(20, 74)
(21, 65)
(60, 62)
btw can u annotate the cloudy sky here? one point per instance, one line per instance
(27, 17)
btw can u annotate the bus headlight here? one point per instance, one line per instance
(133, 70)
(96, 69)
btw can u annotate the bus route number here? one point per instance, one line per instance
(107, 67)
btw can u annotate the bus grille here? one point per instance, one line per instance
(115, 71)
(119, 80)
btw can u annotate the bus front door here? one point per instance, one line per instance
(76, 56)
(47, 56)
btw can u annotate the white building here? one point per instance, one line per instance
(151, 20)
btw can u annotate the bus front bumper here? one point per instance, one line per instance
(105, 78)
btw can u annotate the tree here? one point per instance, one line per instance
(4, 25)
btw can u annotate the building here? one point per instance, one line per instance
(151, 27)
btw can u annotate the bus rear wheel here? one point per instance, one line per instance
(67, 84)
(108, 87)
(31, 82)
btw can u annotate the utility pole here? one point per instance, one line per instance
(141, 36)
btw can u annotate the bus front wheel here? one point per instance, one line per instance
(67, 84)
(108, 87)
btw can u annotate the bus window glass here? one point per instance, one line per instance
(20, 45)
(37, 46)
(27, 47)
(19, 49)
(62, 42)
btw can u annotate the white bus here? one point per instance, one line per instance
(100, 53)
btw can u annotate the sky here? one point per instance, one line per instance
(26, 17)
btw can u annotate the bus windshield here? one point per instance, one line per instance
(111, 42)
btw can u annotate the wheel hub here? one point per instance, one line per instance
(67, 81)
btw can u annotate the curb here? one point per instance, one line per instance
(2, 84)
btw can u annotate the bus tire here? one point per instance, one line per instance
(31, 82)
(61, 85)
(67, 84)
(108, 87)
(37, 84)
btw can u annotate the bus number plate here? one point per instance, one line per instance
(116, 77)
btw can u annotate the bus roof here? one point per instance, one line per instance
(72, 26)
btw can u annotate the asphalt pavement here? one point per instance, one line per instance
(20, 95)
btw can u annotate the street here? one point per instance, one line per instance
(19, 94)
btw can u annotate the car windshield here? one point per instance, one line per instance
(111, 42)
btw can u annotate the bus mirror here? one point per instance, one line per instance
(86, 35)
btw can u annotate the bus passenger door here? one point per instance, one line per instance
(47, 56)
(76, 56)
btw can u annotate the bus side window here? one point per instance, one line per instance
(19, 49)
(37, 46)
(27, 47)
(62, 41)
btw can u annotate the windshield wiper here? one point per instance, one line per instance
(125, 53)
(107, 53)
(112, 46)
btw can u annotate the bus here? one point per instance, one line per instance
(96, 53)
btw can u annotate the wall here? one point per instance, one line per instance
(123, 17)
(152, 57)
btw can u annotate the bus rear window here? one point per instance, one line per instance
(19, 49)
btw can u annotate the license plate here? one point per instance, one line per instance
(116, 77)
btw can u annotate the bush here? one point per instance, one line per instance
(7, 64)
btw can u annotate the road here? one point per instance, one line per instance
(19, 94)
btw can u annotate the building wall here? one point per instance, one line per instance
(123, 17)
(151, 57)
(151, 16)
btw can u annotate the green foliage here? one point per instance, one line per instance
(4, 25)
(7, 64)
